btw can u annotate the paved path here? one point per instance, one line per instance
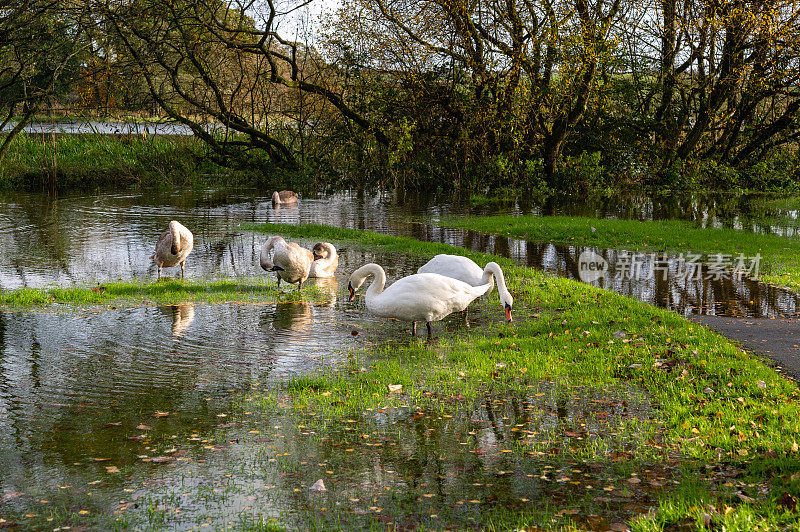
(778, 338)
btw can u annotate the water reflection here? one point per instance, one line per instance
(182, 316)
(420, 468)
(658, 283)
(86, 238)
(84, 127)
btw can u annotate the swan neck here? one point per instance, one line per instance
(495, 270)
(376, 288)
(331, 255)
(176, 234)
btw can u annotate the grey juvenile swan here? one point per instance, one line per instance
(173, 247)
(326, 260)
(290, 261)
(284, 197)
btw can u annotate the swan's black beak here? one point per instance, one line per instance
(508, 313)
(352, 292)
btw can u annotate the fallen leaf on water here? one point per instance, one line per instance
(114, 424)
(162, 459)
(112, 469)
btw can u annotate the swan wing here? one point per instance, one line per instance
(295, 261)
(454, 266)
(424, 296)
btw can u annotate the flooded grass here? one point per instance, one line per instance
(719, 405)
(589, 411)
(259, 289)
(780, 264)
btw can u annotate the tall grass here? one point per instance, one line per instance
(85, 161)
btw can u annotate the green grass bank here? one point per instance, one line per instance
(780, 264)
(86, 161)
(729, 420)
(165, 292)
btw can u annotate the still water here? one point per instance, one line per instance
(109, 410)
(81, 239)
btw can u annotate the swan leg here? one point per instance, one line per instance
(428, 324)
(159, 272)
(183, 270)
(300, 284)
(279, 281)
(413, 328)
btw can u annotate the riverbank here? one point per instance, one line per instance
(724, 419)
(780, 256)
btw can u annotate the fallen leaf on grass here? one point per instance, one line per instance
(112, 469)
(788, 502)
(160, 414)
(319, 485)
(395, 388)
(143, 427)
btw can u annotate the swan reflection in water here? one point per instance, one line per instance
(289, 315)
(182, 316)
(329, 286)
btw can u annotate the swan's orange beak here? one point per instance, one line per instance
(508, 314)
(352, 292)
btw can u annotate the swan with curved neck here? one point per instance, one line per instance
(173, 247)
(326, 260)
(291, 262)
(466, 270)
(284, 197)
(424, 297)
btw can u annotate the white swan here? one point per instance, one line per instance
(284, 197)
(420, 297)
(173, 247)
(325, 260)
(466, 270)
(291, 262)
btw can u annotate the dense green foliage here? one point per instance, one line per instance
(480, 96)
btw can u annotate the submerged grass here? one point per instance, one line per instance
(780, 264)
(170, 291)
(733, 421)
